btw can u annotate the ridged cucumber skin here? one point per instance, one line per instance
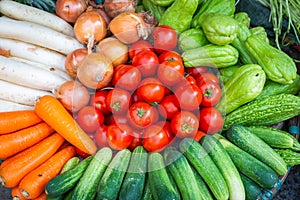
(205, 166)
(160, 184)
(64, 182)
(134, 180)
(147, 195)
(242, 137)
(266, 111)
(250, 166)
(111, 181)
(70, 164)
(86, 188)
(204, 194)
(252, 189)
(226, 166)
(182, 173)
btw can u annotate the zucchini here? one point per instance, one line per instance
(182, 173)
(204, 193)
(249, 142)
(250, 166)
(160, 183)
(134, 181)
(270, 110)
(205, 166)
(252, 190)
(223, 161)
(87, 186)
(64, 182)
(110, 183)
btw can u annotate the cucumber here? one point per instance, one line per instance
(204, 193)
(110, 183)
(250, 166)
(147, 195)
(87, 186)
(252, 189)
(205, 166)
(70, 164)
(64, 182)
(242, 137)
(183, 175)
(223, 161)
(134, 181)
(160, 184)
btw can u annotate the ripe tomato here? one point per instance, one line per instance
(211, 93)
(98, 101)
(146, 61)
(119, 119)
(199, 135)
(88, 119)
(136, 141)
(118, 101)
(155, 138)
(170, 72)
(207, 76)
(185, 82)
(195, 71)
(170, 56)
(166, 125)
(150, 90)
(100, 136)
(164, 38)
(126, 77)
(211, 120)
(139, 46)
(119, 137)
(81, 154)
(185, 124)
(189, 97)
(169, 106)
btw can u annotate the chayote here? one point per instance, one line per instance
(192, 38)
(243, 18)
(260, 31)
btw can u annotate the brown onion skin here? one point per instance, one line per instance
(116, 7)
(73, 95)
(72, 61)
(95, 71)
(69, 10)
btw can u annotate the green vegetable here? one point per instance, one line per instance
(291, 157)
(251, 188)
(266, 111)
(243, 18)
(227, 72)
(191, 39)
(204, 191)
(162, 3)
(243, 86)
(278, 66)
(156, 10)
(147, 195)
(70, 164)
(261, 32)
(46, 5)
(211, 55)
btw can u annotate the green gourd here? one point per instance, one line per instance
(191, 39)
(243, 18)
(261, 32)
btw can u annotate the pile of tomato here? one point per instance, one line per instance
(153, 100)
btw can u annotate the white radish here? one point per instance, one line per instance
(20, 94)
(27, 75)
(33, 53)
(6, 106)
(24, 12)
(38, 35)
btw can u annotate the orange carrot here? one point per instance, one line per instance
(55, 114)
(16, 194)
(13, 143)
(12, 173)
(43, 196)
(33, 184)
(16, 120)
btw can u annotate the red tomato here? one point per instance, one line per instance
(211, 93)
(170, 72)
(100, 136)
(170, 56)
(185, 82)
(211, 120)
(118, 101)
(88, 119)
(139, 46)
(166, 125)
(151, 90)
(189, 97)
(119, 119)
(136, 141)
(147, 62)
(126, 77)
(164, 38)
(155, 138)
(81, 154)
(195, 71)
(199, 135)
(207, 76)
(119, 137)
(98, 101)
(169, 106)
(185, 124)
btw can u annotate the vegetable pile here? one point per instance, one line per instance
(152, 99)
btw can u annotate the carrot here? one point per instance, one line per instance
(34, 183)
(16, 120)
(43, 196)
(12, 173)
(13, 143)
(55, 114)
(16, 194)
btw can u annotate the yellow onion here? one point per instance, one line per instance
(116, 7)
(69, 10)
(73, 59)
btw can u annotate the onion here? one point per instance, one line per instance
(73, 95)
(128, 27)
(113, 49)
(73, 59)
(116, 7)
(69, 10)
(95, 71)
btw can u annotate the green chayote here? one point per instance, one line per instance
(192, 38)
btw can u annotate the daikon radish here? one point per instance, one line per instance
(24, 12)
(38, 35)
(6, 106)
(27, 75)
(33, 53)
(20, 94)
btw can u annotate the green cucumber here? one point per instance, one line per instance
(147, 195)
(64, 182)
(87, 186)
(111, 181)
(134, 181)
(182, 173)
(223, 161)
(160, 184)
(250, 166)
(204, 193)
(205, 166)
(251, 188)
(70, 164)
(242, 137)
